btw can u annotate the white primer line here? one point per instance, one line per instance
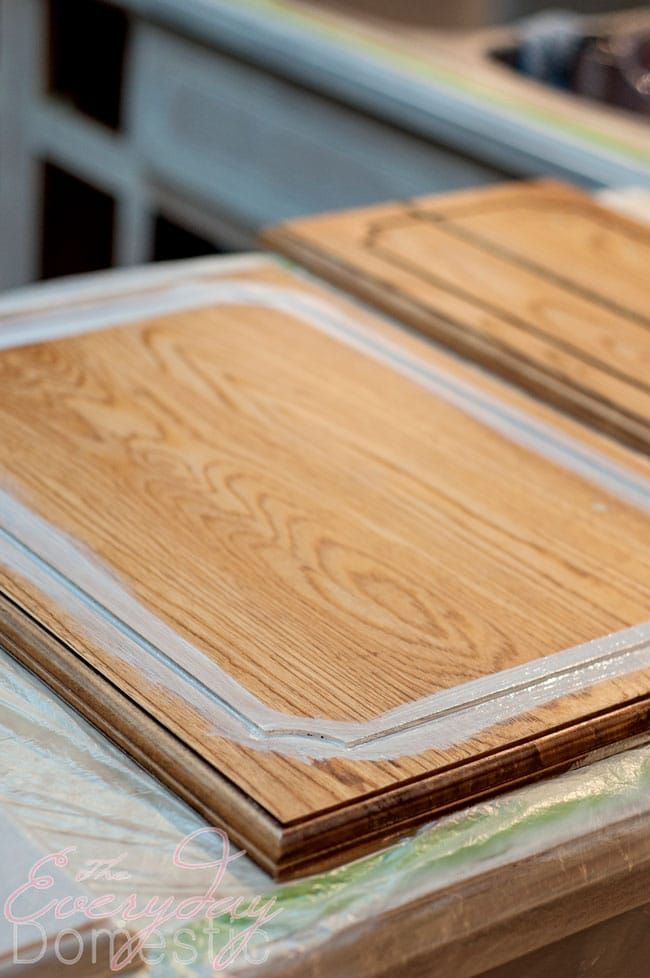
(96, 600)
(110, 617)
(100, 286)
(486, 408)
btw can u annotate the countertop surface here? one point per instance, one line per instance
(438, 84)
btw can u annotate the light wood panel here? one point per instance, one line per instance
(331, 534)
(534, 280)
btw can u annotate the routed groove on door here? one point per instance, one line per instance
(533, 280)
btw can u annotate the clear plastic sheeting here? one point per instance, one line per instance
(133, 841)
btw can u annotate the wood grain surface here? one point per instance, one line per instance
(333, 536)
(534, 280)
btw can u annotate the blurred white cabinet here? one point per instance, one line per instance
(264, 149)
(212, 144)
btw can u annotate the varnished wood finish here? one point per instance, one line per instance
(335, 537)
(535, 281)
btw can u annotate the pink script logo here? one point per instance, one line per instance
(155, 912)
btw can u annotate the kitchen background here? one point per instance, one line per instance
(141, 130)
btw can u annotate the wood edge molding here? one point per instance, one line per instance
(288, 850)
(138, 734)
(518, 764)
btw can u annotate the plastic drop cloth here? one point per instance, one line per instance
(68, 786)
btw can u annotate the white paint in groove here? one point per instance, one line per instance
(102, 610)
(92, 597)
(37, 301)
(525, 430)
